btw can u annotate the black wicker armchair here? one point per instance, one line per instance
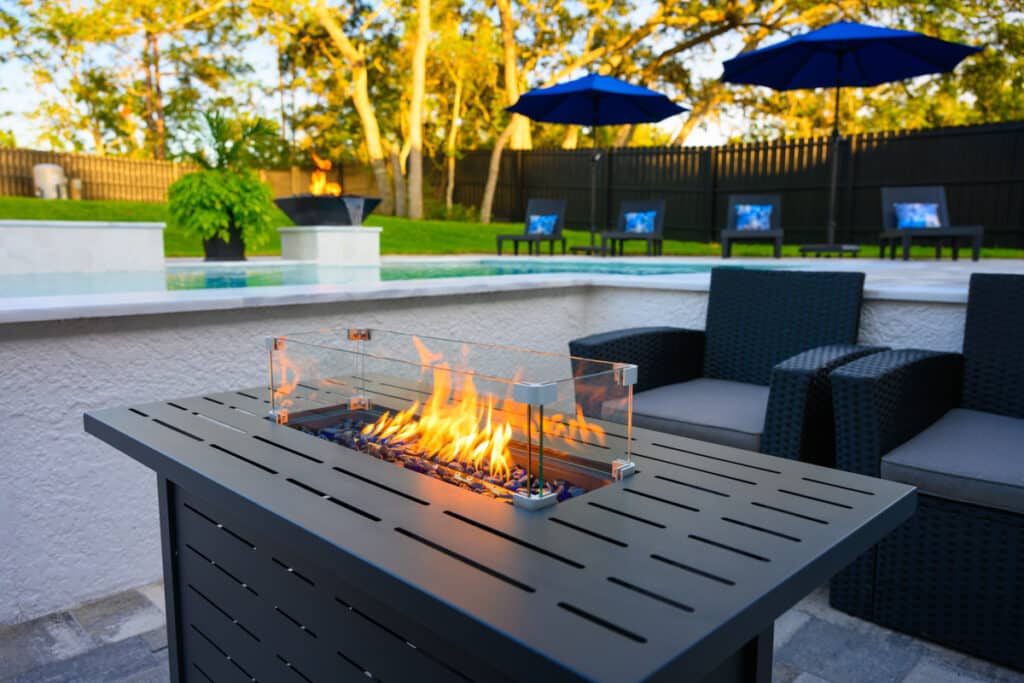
(953, 425)
(757, 376)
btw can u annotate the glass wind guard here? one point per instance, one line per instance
(504, 422)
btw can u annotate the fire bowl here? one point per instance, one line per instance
(309, 209)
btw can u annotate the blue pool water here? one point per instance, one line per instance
(262, 274)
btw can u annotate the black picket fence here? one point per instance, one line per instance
(981, 167)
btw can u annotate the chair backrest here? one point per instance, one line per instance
(758, 318)
(773, 199)
(546, 207)
(994, 345)
(918, 194)
(641, 206)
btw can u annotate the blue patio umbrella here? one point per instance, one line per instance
(844, 54)
(595, 100)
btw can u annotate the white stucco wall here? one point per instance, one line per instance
(79, 246)
(79, 520)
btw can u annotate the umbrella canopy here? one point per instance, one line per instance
(595, 100)
(839, 55)
(845, 54)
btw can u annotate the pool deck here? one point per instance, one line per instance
(923, 281)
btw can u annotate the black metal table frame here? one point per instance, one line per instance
(291, 558)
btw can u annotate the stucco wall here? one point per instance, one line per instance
(78, 519)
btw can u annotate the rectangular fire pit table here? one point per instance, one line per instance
(291, 558)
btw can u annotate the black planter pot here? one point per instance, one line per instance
(216, 249)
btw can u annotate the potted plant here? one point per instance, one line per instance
(224, 203)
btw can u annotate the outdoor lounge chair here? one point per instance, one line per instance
(650, 231)
(736, 231)
(952, 425)
(756, 377)
(936, 229)
(536, 229)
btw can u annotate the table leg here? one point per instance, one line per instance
(168, 532)
(906, 247)
(752, 663)
(976, 248)
(499, 245)
(881, 248)
(726, 248)
(955, 244)
(938, 249)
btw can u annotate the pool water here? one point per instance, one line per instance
(179, 277)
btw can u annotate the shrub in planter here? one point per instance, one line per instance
(229, 210)
(224, 203)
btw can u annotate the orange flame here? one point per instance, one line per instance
(458, 424)
(318, 184)
(286, 381)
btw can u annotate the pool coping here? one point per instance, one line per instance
(38, 309)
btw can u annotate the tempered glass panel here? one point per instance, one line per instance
(495, 419)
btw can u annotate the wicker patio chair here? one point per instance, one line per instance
(892, 235)
(613, 241)
(539, 207)
(773, 234)
(757, 376)
(953, 425)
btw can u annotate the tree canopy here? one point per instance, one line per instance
(394, 82)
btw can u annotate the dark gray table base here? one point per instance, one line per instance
(291, 558)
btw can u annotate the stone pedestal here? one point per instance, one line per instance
(332, 245)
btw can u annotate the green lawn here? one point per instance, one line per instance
(400, 236)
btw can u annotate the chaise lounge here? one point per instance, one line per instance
(912, 214)
(753, 218)
(545, 219)
(757, 377)
(642, 220)
(952, 425)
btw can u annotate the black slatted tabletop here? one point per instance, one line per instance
(660, 576)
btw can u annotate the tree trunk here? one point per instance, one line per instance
(520, 124)
(571, 138)
(419, 75)
(624, 135)
(158, 100)
(401, 206)
(453, 134)
(356, 59)
(487, 204)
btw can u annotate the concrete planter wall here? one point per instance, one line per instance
(79, 246)
(332, 245)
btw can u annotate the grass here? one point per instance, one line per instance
(400, 236)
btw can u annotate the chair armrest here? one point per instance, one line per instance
(663, 355)
(884, 399)
(799, 422)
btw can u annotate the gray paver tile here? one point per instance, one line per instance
(40, 641)
(118, 617)
(788, 624)
(931, 671)
(161, 673)
(841, 655)
(156, 639)
(105, 663)
(783, 673)
(809, 678)
(155, 593)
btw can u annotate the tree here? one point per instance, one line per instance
(418, 77)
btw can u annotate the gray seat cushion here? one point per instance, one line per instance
(968, 456)
(716, 410)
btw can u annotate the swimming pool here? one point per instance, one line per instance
(198, 276)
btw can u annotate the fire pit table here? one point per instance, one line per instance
(290, 557)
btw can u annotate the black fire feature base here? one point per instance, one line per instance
(291, 558)
(309, 209)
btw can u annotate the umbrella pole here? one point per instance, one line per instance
(834, 181)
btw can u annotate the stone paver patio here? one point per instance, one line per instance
(122, 639)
